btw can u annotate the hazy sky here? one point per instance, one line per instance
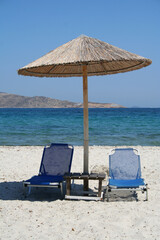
(30, 29)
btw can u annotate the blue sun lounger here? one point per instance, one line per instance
(125, 172)
(56, 161)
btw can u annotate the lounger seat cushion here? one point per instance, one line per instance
(44, 180)
(135, 183)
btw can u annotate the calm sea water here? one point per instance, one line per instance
(106, 126)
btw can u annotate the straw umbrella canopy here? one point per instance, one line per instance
(84, 56)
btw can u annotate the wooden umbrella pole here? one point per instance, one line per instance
(85, 122)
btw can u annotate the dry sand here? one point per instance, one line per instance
(43, 215)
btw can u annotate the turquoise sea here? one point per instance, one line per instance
(106, 126)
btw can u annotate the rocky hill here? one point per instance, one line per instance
(16, 101)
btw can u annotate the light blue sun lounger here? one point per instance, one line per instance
(125, 172)
(56, 161)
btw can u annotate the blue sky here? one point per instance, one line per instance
(30, 29)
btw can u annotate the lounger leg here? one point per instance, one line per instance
(24, 190)
(146, 192)
(29, 190)
(104, 193)
(64, 188)
(61, 185)
(26, 193)
(99, 188)
(107, 194)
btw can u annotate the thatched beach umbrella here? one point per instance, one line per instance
(84, 56)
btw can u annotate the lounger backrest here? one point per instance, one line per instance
(124, 164)
(56, 159)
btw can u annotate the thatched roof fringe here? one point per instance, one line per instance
(101, 58)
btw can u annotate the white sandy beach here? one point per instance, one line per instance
(43, 215)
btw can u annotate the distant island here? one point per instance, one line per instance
(16, 101)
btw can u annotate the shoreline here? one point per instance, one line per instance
(90, 146)
(44, 215)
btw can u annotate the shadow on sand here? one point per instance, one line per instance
(15, 191)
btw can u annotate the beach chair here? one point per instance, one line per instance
(56, 161)
(125, 172)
